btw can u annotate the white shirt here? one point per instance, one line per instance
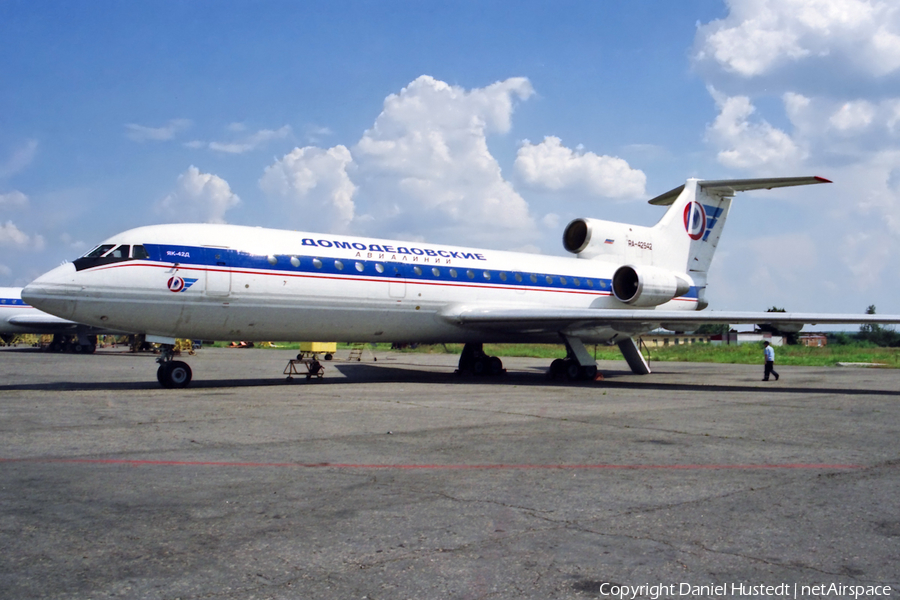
(770, 353)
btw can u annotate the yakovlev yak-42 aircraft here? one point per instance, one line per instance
(227, 282)
(17, 318)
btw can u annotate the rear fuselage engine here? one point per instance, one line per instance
(640, 281)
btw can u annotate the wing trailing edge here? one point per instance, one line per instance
(561, 319)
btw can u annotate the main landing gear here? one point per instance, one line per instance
(568, 368)
(578, 363)
(473, 360)
(79, 344)
(172, 373)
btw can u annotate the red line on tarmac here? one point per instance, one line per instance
(438, 467)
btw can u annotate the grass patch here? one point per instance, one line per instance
(748, 354)
(828, 356)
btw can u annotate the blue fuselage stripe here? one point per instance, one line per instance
(420, 269)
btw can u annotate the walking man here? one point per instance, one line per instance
(769, 353)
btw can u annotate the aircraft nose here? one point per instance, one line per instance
(52, 291)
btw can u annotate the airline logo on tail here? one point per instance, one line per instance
(700, 219)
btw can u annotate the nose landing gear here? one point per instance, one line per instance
(172, 373)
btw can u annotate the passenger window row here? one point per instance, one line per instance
(470, 274)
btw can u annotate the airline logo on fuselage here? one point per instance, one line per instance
(700, 219)
(179, 284)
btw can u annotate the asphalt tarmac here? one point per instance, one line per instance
(397, 479)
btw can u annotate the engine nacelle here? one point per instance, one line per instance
(605, 240)
(640, 285)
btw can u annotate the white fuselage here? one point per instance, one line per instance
(231, 282)
(12, 305)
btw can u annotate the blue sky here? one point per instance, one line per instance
(489, 124)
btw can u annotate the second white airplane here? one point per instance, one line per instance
(227, 282)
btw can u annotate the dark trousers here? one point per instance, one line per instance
(770, 369)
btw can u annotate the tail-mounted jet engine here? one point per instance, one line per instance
(593, 238)
(636, 283)
(640, 285)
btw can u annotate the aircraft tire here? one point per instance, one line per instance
(573, 369)
(495, 365)
(174, 375)
(480, 366)
(589, 372)
(557, 368)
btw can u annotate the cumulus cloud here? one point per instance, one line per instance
(198, 197)
(760, 36)
(854, 128)
(10, 235)
(747, 144)
(314, 184)
(20, 159)
(853, 116)
(142, 133)
(551, 166)
(422, 170)
(14, 198)
(426, 166)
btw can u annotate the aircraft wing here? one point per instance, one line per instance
(530, 320)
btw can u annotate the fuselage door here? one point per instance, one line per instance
(396, 284)
(218, 273)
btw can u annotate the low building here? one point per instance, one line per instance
(663, 339)
(746, 337)
(816, 340)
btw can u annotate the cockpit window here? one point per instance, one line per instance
(120, 252)
(99, 251)
(107, 254)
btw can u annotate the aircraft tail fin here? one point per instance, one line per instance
(691, 228)
(681, 243)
